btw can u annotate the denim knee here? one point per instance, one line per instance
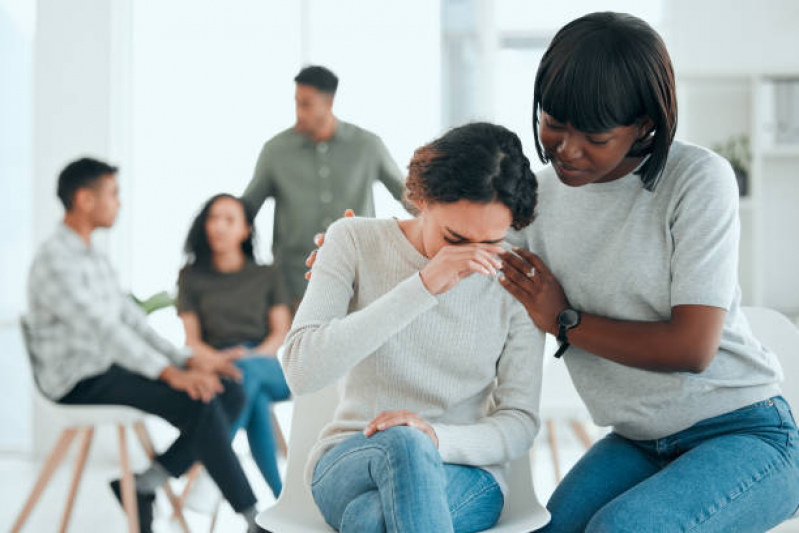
(615, 518)
(407, 443)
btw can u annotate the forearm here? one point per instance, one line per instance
(270, 344)
(497, 439)
(200, 347)
(661, 346)
(136, 319)
(321, 349)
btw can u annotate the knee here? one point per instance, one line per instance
(614, 517)
(364, 513)
(233, 398)
(406, 444)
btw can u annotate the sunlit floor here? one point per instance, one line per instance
(97, 510)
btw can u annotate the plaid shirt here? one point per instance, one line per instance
(82, 322)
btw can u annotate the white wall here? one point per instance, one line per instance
(211, 84)
(387, 56)
(17, 23)
(78, 110)
(732, 36)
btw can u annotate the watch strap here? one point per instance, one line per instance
(562, 349)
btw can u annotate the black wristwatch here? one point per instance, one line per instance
(567, 319)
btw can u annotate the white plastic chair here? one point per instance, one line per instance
(781, 336)
(296, 512)
(83, 420)
(561, 404)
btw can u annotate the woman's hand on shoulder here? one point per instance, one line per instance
(388, 419)
(318, 241)
(453, 263)
(531, 282)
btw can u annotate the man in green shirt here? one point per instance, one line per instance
(314, 171)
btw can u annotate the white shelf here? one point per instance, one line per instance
(788, 150)
(715, 107)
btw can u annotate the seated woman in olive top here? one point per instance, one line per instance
(231, 305)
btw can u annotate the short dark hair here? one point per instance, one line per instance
(318, 77)
(81, 174)
(479, 162)
(605, 70)
(197, 248)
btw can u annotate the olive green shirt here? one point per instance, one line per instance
(313, 184)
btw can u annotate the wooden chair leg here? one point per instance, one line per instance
(147, 445)
(281, 440)
(50, 466)
(128, 484)
(582, 434)
(215, 516)
(192, 474)
(553, 448)
(80, 464)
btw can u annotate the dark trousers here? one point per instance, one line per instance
(204, 427)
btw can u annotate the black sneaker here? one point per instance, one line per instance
(144, 503)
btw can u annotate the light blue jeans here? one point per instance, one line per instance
(737, 472)
(395, 481)
(263, 383)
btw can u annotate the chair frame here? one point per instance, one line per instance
(86, 431)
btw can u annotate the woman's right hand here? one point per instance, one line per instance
(453, 263)
(198, 385)
(318, 241)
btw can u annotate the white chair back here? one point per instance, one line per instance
(781, 336)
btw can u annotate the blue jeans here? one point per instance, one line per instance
(263, 383)
(735, 472)
(395, 481)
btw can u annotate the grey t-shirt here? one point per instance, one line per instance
(233, 308)
(623, 252)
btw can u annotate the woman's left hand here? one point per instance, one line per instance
(388, 419)
(531, 282)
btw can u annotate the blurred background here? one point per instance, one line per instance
(182, 94)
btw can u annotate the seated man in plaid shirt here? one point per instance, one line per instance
(91, 344)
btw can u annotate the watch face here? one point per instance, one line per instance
(568, 318)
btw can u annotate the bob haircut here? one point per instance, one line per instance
(198, 250)
(605, 70)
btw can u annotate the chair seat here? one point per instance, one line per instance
(89, 415)
(278, 519)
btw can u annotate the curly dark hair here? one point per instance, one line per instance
(198, 251)
(479, 162)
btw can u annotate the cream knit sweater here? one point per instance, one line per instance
(468, 361)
